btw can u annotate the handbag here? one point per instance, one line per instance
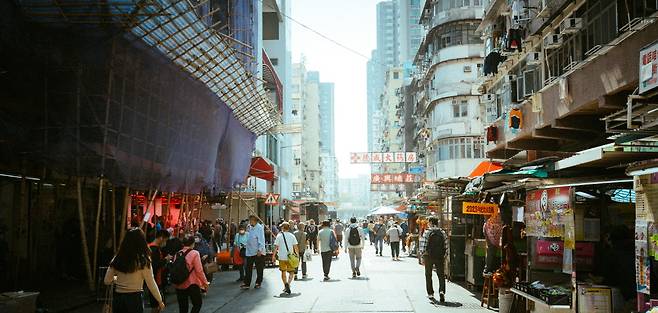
(293, 259)
(109, 297)
(211, 267)
(333, 242)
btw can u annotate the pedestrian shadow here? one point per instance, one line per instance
(305, 279)
(333, 280)
(448, 304)
(292, 295)
(359, 278)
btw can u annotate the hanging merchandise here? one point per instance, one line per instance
(492, 134)
(493, 229)
(536, 102)
(515, 119)
(491, 63)
(514, 39)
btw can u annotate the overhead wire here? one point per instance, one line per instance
(335, 42)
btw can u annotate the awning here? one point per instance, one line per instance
(485, 167)
(385, 210)
(261, 168)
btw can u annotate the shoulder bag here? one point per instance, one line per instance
(293, 259)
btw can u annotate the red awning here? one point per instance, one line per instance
(485, 167)
(261, 169)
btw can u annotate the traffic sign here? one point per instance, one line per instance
(272, 199)
(416, 170)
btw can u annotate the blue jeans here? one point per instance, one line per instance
(379, 244)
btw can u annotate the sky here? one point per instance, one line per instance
(353, 24)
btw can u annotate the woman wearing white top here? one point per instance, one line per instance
(129, 269)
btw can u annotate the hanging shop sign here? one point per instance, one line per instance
(383, 157)
(416, 170)
(387, 188)
(479, 208)
(546, 211)
(648, 68)
(399, 178)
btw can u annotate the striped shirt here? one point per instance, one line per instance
(422, 245)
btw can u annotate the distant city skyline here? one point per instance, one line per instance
(345, 69)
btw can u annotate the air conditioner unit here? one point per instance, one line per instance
(544, 10)
(489, 97)
(571, 25)
(553, 41)
(533, 58)
(510, 78)
(428, 11)
(467, 68)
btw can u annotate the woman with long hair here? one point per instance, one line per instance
(129, 269)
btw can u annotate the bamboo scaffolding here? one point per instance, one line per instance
(98, 225)
(83, 235)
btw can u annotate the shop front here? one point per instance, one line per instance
(579, 242)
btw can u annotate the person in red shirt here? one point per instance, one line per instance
(190, 289)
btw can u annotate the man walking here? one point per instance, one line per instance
(432, 253)
(405, 232)
(285, 244)
(300, 235)
(354, 239)
(380, 232)
(338, 229)
(312, 235)
(326, 237)
(255, 252)
(394, 236)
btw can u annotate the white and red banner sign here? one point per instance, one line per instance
(383, 157)
(393, 179)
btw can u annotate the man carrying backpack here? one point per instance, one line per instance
(354, 239)
(432, 253)
(380, 232)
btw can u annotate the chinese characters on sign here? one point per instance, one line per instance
(479, 208)
(386, 188)
(546, 211)
(648, 68)
(393, 179)
(383, 157)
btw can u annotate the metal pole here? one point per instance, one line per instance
(124, 215)
(114, 221)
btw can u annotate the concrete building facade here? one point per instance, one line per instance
(448, 111)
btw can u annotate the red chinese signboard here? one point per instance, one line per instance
(399, 178)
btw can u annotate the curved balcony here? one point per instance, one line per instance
(456, 14)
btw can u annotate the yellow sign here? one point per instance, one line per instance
(479, 208)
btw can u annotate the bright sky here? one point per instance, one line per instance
(353, 24)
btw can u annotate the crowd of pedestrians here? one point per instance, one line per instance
(182, 259)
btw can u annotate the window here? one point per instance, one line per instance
(460, 108)
(270, 26)
(459, 148)
(396, 75)
(274, 61)
(456, 33)
(296, 187)
(298, 161)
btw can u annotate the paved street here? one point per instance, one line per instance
(385, 286)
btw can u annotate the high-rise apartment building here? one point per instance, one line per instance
(327, 143)
(409, 29)
(448, 110)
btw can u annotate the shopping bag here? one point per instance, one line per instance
(237, 259)
(308, 255)
(293, 259)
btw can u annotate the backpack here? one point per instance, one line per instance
(436, 245)
(333, 242)
(354, 239)
(178, 273)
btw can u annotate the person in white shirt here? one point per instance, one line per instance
(354, 238)
(394, 235)
(284, 244)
